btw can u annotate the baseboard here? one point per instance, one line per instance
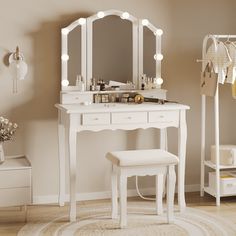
(48, 199)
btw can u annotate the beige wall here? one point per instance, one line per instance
(35, 27)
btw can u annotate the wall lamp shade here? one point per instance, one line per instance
(18, 67)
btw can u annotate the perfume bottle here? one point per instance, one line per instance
(143, 82)
(93, 84)
(80, 83)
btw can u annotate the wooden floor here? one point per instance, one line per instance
(12, 219)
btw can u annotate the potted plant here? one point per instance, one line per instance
(7, 130)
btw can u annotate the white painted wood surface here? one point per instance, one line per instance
(121, 173)
(15, 182)
(70, 118)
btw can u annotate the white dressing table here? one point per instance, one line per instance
(97, 117)
(74, 117)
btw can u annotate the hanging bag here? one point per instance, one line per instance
(209, 80)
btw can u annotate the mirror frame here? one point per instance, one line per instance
(82, 22)
(99, 16)
(86, 25)
(158, 56)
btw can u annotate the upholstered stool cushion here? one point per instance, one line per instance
(142, 157)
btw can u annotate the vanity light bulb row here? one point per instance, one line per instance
(125, 15)
(101, 14)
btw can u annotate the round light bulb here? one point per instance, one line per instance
(159, 81)
(159, 32)
(145, 22)
(65, 82)
(81, 21)
(100, 14)
(125, 15)
(65, 31)
(65, 57)
(158, 57)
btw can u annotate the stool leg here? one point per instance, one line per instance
(159, 193)
(171, 179)
(123, 200)
(114, 203)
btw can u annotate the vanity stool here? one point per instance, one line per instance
(140, 163)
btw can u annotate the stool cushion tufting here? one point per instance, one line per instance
(142, 157)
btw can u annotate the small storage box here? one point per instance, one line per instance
(227, 154)
(227, 182)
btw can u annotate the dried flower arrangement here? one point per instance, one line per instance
(7, 129)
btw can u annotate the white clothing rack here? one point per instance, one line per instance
(217, 167)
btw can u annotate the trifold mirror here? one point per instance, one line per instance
(113, 47)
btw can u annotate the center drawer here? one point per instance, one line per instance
(164, 117)
(128, 117)
(96, 119)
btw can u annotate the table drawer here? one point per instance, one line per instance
(164, 117)
(71, 98)
(15, 178)
(15, 196)
(96, 119)
(129, 117)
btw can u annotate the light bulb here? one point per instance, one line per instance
(22, 69)
(145, 22)
(81, 21)
(65, 31)
(100, 14)
(159, 32)
(19, 69)
(65, 82)
(65, 57)
(159, 81)
(158, 57)
(125, 15)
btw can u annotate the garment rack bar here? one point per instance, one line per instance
(224, 36)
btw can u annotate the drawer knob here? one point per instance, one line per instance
(77, 98)
(161, 116)
(96, 118)
(129, 117)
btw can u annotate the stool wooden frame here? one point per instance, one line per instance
(122, 173)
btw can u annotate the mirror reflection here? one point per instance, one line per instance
(149, 50)
(112, 49)
(74, 52)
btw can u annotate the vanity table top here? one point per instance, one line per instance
(119, 107)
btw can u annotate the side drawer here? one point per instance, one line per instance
(170, 117)
(129, 117)
(70, 98)
(96, 119)
(15, 178)
(15, 196)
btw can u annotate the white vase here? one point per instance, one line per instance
(2, 157)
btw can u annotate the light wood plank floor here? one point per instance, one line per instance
(12, 219)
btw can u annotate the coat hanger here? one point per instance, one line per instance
(227, 41)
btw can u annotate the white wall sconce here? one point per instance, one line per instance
(18, 67)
